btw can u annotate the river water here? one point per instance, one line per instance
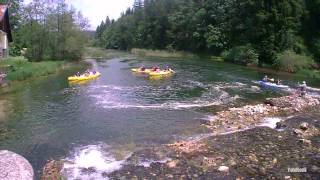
(101, 122)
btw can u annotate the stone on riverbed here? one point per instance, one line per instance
(52, 170)
(223, 169)
(14, 167)
(304, 126)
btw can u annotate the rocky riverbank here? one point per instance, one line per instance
(255, 153)
(239, 147)
(250, 151)
(252, 115)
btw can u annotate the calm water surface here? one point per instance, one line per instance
(99, 123)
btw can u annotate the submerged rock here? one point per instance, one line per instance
(52, 170)
(305, 141)
(304, 126)
(297, 131)
(280, 125)
(223, 169)
(14, 167)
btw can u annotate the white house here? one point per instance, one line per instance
(5, 31)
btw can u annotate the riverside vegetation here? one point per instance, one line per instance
(19, 68)
(47, 33)
(282, 35)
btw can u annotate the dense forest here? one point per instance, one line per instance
(242, 31)
(47, 30)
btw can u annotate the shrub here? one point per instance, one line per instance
(316, 50)
(291, 62)
(244, 55)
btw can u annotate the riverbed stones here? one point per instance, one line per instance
(304, 126)
(223, 169)
(315, 168)
(172, 164)
(52, 170)
(280, 125)
(14, 167)
(297, 131)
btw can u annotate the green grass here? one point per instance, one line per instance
(315, 74)
(19, 68)
(100, 53)
(161, 53)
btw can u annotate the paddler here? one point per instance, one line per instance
(156, 69)
(142, 68)
(279, 82)
(266, 79)
(167, 68)
(303, 89)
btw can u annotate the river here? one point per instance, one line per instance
(101, 122)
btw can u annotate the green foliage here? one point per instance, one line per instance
(161, 53)
(19, 68)
(271, 27)
(50, 30)
(316, 49)
(244, 55)
(291, 62)
(309, 73)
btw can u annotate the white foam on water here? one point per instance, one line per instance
(173, 105)
(209, 118)
(117, 97)
(271, 122)
(93, 157)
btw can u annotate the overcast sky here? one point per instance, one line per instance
(98, 10)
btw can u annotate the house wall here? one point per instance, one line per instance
(4, 48)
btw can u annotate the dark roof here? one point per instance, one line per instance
(4, 21)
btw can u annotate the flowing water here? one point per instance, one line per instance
(100, 123)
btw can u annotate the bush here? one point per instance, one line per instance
(291, 62)
(244, 55)
(316, 50)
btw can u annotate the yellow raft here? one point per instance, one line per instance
(84, 77)
(161, 73)
(138, 70)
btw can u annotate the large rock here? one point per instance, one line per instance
(14, 167)
(304, 126)
(223, 169)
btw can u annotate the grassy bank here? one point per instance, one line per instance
(162, 53)
(100, 53)
(19, 68)
(315, 74)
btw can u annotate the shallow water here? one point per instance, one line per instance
(107, 119)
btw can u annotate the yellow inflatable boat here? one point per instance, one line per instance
(84, 77)
(161, 73)
(138, 70)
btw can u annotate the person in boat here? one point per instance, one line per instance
(265, 78)
(303, 89)
(78, 74)
(278, 82)
(167, 68)
(142, 68)
(156, 69)
(87, 73)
